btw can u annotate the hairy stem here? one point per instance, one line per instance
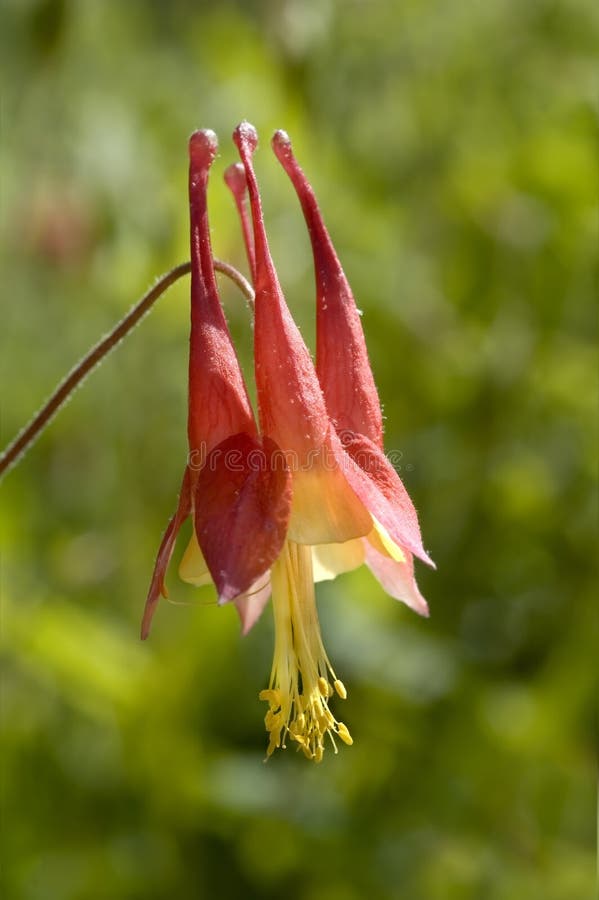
(31, 432)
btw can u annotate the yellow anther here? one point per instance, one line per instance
(271, 696)
(273, 720)
(323, 686)
(306, 751)
(318, 753)
(340, 688)
(344, 734)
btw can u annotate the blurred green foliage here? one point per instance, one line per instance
(453, 149)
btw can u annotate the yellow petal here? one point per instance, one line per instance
(193, 568)
(325, 509)
(380, 540)
(330, 560)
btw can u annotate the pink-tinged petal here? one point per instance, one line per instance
(218, 401)
(242, 502)
(290, 400)
(380, 489)
(165, 551)
(396, 578)
(342, 360)
(250, 605)
(381, 541)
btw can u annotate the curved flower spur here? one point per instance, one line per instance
(323, 498)
(352, 401)
(228, 497)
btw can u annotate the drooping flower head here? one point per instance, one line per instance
(310, 493)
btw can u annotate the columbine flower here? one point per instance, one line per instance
(323, 497)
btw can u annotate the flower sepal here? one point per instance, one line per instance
(242, 503)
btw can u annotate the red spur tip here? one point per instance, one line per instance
(283, 150)
(281, 144)
(203, 147)
(246, 136)
(235, 179)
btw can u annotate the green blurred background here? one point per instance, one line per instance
(453, 150)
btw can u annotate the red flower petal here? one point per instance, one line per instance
(242, 501)
(165, 552)
(380, 489)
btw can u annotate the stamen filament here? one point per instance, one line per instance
(299, 688)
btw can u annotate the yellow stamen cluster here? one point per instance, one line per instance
(299, 691)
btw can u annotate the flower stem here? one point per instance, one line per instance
(31, 432)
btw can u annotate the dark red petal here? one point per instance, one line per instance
(165, 552)
(242, 506)
(380, 489)
(218, 399)
(342, 360)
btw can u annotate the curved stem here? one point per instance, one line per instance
(237, 278)
(30, 433)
